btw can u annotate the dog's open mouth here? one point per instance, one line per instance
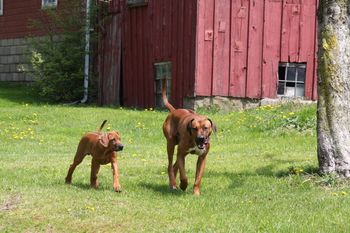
(202, 143)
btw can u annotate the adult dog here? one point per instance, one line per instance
(103, 148)
(191, 133)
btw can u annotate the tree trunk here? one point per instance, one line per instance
(333, 124)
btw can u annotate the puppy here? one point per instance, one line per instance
(102, 147)
(191, 133)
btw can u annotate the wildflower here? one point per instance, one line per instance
(91, 208)
(343, 193)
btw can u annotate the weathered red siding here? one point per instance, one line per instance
(250, 38)
(164, 30)
(16, 18)
(109, 54)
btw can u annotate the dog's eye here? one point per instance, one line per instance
(195, 129)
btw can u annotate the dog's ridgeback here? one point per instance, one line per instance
(102, 147)
(191, 133)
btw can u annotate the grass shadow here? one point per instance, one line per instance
(86, 186)
(162, 189)
(19, 93)
(308, 169)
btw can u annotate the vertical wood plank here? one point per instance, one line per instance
(239, 45)
(271, 48)
(204, 51)
(290, 32)
(307, 44)
(315, 81)
(177, 86)
(221, 54)
(255, 41)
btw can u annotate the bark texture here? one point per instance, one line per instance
(333, 126)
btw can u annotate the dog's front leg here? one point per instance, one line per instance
(181, 166)
(95, 167)
(171, 174)
(199, 173)
(116, 184)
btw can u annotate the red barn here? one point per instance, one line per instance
(251, 49)
(241, 49)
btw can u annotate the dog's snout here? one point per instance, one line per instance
(120, 147)
(200, 139)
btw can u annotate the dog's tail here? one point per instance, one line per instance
(165, 98)
(102, 125)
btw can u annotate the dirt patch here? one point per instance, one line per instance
(11, 202)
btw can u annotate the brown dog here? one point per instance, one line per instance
(102, 147)
(191, 133)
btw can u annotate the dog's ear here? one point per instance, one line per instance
(189, 127)
(104, 140)
(213, 125)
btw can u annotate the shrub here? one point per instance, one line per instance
(58, 57)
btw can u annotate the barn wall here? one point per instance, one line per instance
(108, 63)
(17, 16)
(164, 30)
(240, 44)
(14, 28)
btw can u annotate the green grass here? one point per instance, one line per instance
(260, 174)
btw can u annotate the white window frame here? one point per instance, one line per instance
(46, 4)
(292, 86)
(1, 7)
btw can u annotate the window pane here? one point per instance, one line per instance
(291, 73)
(280, 90)
(301, 74)
(281, 72)
(300, 90)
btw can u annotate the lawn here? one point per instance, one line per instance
(261, 173)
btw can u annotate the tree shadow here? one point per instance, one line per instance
(238, 179)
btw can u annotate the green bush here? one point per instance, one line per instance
(58, 57)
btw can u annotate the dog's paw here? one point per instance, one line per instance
(68, 181)
(118, 189)
(173, 187)
(184, 184)
(95, 184)
(196, 192)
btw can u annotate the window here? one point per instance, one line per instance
(1, 7)
(48, 3)
(291, 79)
(136, 3)
(162, 71)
